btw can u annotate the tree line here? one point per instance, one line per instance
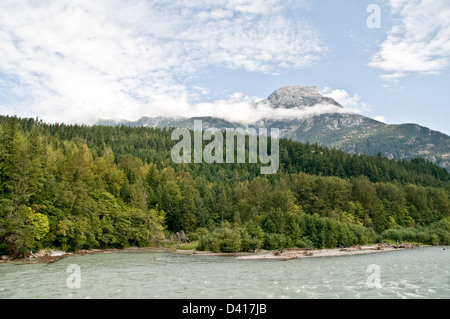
(80, 187)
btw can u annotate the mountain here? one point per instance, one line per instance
(298, 97)
(352, 133)
(358, 134)
(145, 121)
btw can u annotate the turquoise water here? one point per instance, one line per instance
(417, 273)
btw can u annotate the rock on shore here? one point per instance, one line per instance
(288, 254)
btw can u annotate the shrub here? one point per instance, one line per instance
(304, 242)
(209, 243)
(249, 243)
(223, 239)
(230, 240)
(277, 241)
(197, 234)
(437, 233)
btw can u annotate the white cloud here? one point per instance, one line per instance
(419, 42)
(243, 109)
(380, 119)
(117, 59)
(352, 103)
(248, 110)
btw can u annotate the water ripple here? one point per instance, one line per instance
(412, 274)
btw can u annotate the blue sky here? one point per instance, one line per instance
(79, 60)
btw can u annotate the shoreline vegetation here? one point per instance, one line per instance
(46, 256)
(78, 188)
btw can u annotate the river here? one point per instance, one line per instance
(417, 273)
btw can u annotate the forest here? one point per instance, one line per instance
(77, 187)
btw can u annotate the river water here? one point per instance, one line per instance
(417, 273)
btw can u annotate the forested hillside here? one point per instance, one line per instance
(80, 187)
(347, 131)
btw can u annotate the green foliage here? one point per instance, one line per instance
(326, 232)
(64, 194)
(223, 239)
(40, 224)
(78, 187)
(277, 241)
(437, 233)
(229, 239)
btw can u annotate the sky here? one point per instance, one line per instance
(79, 61)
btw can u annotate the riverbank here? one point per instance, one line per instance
(47, 256)
(295, 253)
(288, 254)
(50, 255)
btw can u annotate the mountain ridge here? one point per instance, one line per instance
(349, 132)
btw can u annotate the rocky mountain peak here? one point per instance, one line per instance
(299, 96)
